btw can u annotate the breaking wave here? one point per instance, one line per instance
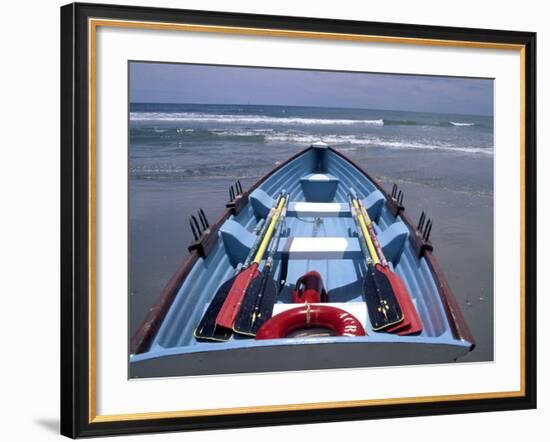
(454, 123)
(369, 141)
(189, 137)
(249, 119)
(200, 117)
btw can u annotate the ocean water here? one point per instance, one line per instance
(185, 156)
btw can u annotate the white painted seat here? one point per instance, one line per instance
(305, 209)
(297, 247)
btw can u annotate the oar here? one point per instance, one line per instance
(257, 305)
(206, 329)
(382, 304)
(411, 323)
(230, 308)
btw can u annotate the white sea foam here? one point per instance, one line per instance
(454, 123)
(370, 141)
(348, 141)
(239, 133)
(220, 118)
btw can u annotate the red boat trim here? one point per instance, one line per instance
(458, 324)
(145, 334)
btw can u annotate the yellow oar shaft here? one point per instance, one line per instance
(373, 238)
(263, 246)
(364, 229)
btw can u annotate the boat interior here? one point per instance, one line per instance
(319, 234)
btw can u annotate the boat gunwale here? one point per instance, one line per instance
(142, 339)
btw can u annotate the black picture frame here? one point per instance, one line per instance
(77, 418)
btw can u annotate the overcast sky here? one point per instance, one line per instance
(181, 83)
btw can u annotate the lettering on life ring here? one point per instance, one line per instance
(311, 316)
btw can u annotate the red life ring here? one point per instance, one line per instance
(309, 316)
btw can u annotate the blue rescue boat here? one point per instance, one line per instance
(319, 231)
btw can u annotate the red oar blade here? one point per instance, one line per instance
(411, 323)
(231, 306)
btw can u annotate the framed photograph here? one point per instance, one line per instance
(275, 220)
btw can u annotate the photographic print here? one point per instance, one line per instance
(276, 220)
(287, 219)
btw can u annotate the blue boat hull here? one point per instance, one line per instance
(320, 235)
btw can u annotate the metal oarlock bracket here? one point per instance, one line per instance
(237, 198)
(203, 219)
(421, 242)
(395, 205)
(204, 236)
